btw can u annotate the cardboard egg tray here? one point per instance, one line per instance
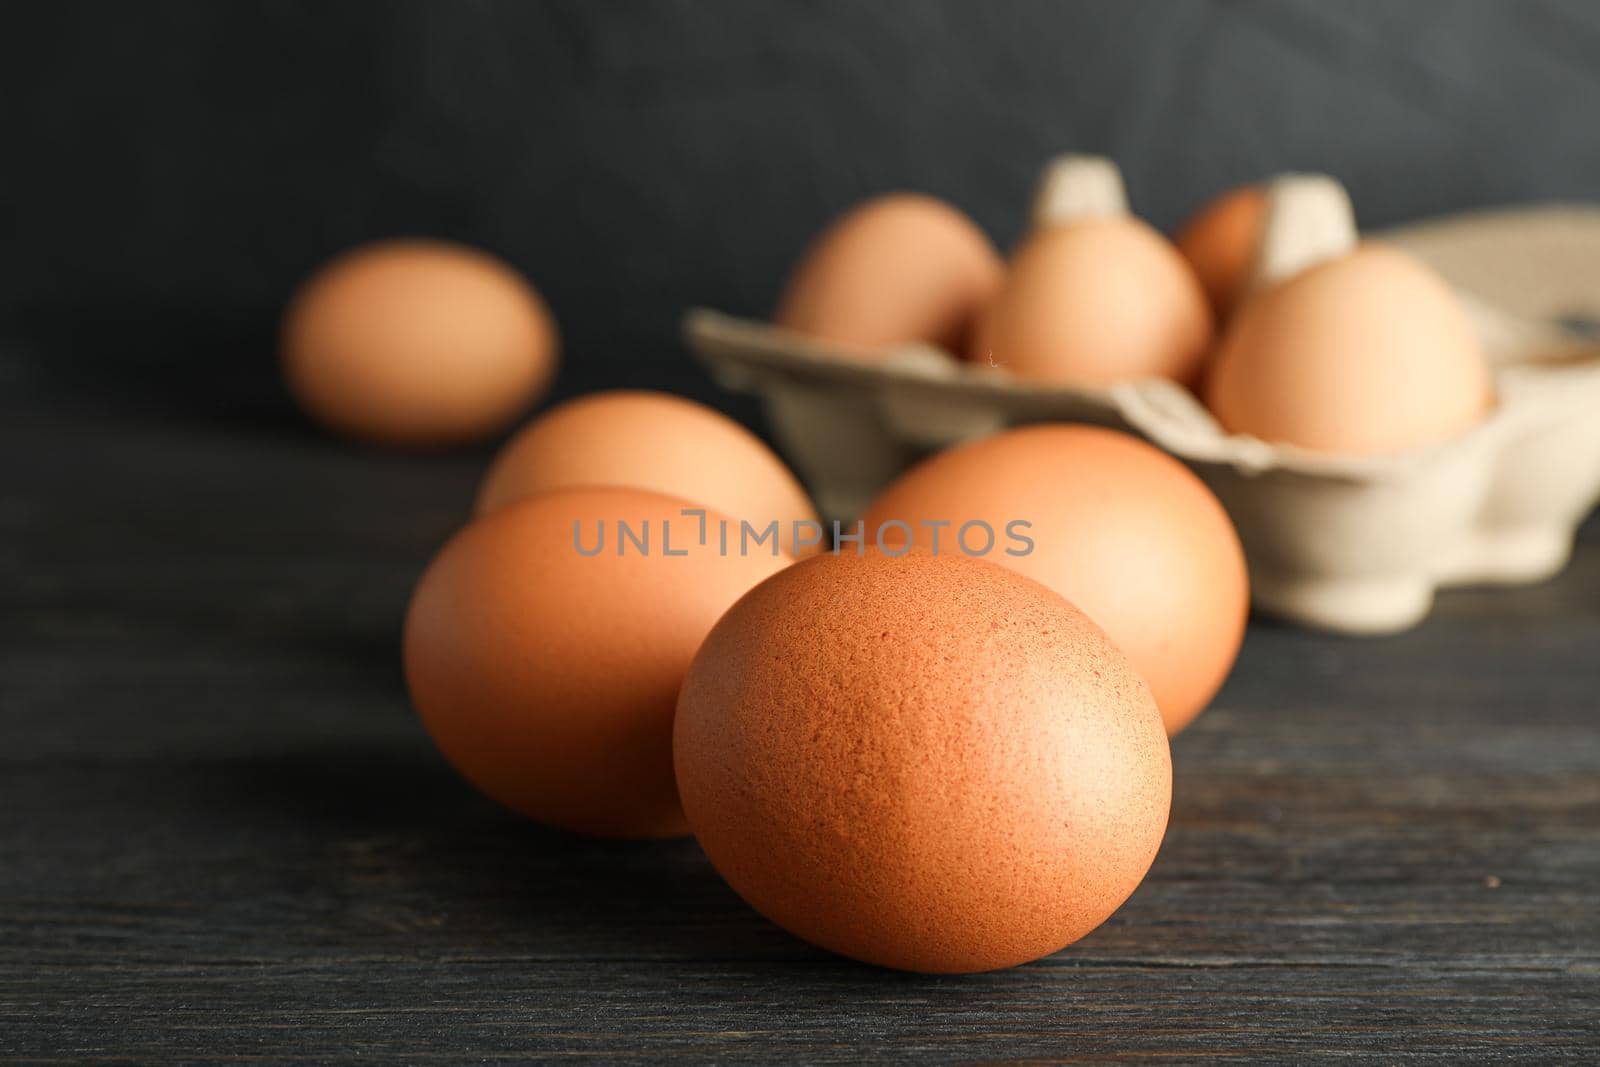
(1354, 544)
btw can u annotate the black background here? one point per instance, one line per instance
(172, 170)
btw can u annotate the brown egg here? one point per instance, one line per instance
(1119, 528)
(417, 343)
(1366, 353)
(897, 269)
(929, 763)
(548, 676)
(652, 441)
(1220, 241)
(1096, 302)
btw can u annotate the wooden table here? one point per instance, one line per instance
(224, 835)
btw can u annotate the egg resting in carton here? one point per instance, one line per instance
(1347, 543)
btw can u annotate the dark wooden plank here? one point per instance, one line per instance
(224, 835)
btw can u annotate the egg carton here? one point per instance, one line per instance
(1349, 544)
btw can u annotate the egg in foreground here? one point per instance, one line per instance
(547, 676)
(417, 343)
(1124, 531)
(652, 441)
(926, 763)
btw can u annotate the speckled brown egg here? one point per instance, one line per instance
(1364, 354)
(927, 763)
(1220, 244)
(547, 675)
(1095, 302)
(897, 269)
(417, 343)
(1123, 530)
(653, 441)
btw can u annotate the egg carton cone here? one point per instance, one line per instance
(1355, 544)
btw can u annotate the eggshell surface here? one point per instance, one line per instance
(897, 269)
(926, 763)
(1096, 302)
(1124, 531)
(651, 441)
(1220, 244)
(1368, 353)
(417, 343)
(548, 677)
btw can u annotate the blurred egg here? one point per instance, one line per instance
(414, 342)
(1367, 353)
(898, 269)
(1220, 241)
(547, 675)
(928, 763)
(1095, 302)
(1124, 531)
(651, 441)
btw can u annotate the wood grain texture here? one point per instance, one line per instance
(224, 836)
